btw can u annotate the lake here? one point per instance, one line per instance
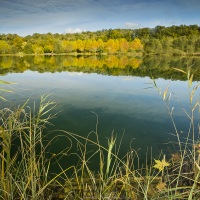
(116, 89)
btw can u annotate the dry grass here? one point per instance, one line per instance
(25, 174)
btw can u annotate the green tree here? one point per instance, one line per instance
(197, 46)
(57, 46)
(28, 48)
(153, 46)
(114, 34)
(159, 32)
(38, 49)
(18, 41)
(167, 44)
(13, 49)
(190, 47)
(180, 43)
(141, 33)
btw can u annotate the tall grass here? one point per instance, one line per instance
(172, 176)
(183, 176)
(24, 168)
(25, 173)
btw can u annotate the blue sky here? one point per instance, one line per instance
(25, 17)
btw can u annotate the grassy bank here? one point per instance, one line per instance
(25, 172)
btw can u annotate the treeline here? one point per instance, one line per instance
(53, 45)
(159, 40)
(156, 66)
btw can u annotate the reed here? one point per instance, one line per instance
(174, 176)
(25, 173)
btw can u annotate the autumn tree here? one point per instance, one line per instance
(91, 45)
(6, 62)
(48, 48)
(100, 45)
(80, 44)
(4, 47)
(123, 45)
(136, 45)
(112, 61)
(69, 46)
(112, 46)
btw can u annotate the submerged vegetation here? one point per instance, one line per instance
(176, 40)
(26, 171)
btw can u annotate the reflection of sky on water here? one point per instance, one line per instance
(121, 102)
(121, 94)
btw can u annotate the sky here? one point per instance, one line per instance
(25, 17)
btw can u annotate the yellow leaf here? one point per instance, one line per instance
(161, 186)
(160, 165)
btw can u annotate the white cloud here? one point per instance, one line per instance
(74, 30)
(128, 78)
(131, 25)
(75, 73)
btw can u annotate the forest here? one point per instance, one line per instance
(176, 40)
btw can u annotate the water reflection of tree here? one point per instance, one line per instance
(158, 66)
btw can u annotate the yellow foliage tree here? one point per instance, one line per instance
(100, 45)
(4, 47)
(112, 46)
(123, 45)
(80, 44)
(69, 46)
(136, 45)
(91, 45)
(135, 62)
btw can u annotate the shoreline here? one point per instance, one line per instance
(102, 54)
(75, 54)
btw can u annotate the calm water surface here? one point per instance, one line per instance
(125, 106)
